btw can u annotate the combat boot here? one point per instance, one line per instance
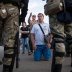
(7, 68)
(8, 60)
(57, 68)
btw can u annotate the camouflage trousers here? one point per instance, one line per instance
(9, 21)
(60, 32)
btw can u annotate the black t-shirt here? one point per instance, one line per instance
(24, 29)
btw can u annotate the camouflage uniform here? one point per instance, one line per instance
(9, 21)
(60, 31)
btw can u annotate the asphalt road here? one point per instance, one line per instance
(27, 64)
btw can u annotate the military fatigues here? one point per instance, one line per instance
(60, 31)
(9, 21)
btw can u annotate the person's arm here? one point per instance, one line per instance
(50, 40)
(32, 34)
(33, 41)
(50, 36)
(29, 18)
(24, 32)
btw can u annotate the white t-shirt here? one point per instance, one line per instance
(39, 37)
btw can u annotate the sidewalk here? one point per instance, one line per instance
(27, 64)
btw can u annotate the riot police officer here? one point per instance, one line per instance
(61, 27)
(9, 26)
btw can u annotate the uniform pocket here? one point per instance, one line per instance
(3, 12)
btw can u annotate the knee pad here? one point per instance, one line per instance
(59, 46)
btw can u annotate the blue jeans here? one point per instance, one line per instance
(42, 50)
(25, 43)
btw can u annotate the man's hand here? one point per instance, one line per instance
(30, 14)
(34, 47)
(49, 45)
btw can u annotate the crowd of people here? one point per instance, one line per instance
(33, 38)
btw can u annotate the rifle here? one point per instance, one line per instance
(17, 45)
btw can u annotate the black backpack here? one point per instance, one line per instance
(68, 5)
(64, 17)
